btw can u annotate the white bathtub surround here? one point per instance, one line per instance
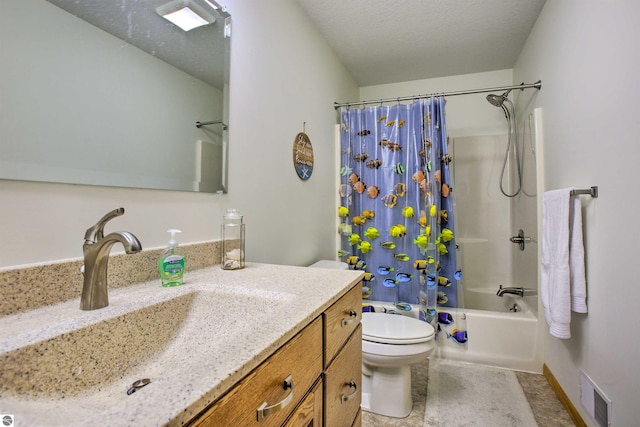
(486, 299)
(562, 263)
(463, 394)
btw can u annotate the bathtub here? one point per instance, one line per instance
(502, 331)
(500, 338)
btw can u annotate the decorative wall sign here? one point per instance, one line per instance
(303, 156)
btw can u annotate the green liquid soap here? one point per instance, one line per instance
(171, 263)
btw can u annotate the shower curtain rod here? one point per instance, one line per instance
(521, 86)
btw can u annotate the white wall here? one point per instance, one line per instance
(282, 75)
(587, 55)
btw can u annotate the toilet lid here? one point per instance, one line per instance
(331, 265)
(395, 329)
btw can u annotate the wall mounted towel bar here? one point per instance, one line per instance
(214, 122)
(593, 191)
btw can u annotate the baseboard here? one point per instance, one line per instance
(562, 396)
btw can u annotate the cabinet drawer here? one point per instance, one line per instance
(358, 420)
(343, 380)
(309, 413)
(300, 359)
(341, 320)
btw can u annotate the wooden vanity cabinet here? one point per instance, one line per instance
(343, 360)
(312, 381)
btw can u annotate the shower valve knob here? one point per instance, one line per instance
(520, 239)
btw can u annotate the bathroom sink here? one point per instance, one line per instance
(91, 360)
(95, 356)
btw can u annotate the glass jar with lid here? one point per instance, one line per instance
(232, 240)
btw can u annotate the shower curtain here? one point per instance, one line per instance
(396, 212)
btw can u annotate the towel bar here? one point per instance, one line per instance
(593, 191)
(213, 122)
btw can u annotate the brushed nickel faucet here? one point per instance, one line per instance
(96, 250)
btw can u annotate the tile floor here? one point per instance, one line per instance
(547, 409)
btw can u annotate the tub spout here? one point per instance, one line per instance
(511, 290)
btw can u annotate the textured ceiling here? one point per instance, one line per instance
(384, 41)
(199, 52)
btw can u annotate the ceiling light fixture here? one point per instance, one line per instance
(213, 4)
(186, 14)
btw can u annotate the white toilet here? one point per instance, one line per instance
(331, 265)
(391, 343)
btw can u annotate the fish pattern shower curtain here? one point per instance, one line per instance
(396, 213)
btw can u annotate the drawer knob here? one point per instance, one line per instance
(346, 397)
(353, 316)
(264, 410)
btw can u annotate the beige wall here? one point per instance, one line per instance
(587, 55)
(274, 90)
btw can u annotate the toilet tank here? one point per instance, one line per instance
(335, 265)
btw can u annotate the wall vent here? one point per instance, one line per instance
(597, 404)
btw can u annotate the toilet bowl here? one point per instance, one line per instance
(391, 343)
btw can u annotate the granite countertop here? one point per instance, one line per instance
(64, 366)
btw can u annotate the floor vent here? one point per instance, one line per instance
(595, 401)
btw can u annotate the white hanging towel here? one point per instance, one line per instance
(576, 259)
(563, 284)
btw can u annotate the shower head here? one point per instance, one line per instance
(497, 100)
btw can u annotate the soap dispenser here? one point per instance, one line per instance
(232, 240)
(171, 262)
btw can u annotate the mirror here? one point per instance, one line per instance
(108, 93)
